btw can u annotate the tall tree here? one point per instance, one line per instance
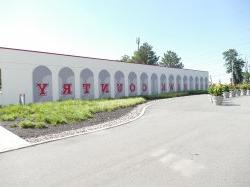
(234, 65)
(170, 59)
(145, 55)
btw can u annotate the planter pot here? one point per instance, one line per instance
(243, 92)
(238, 92)
(217, 100)
(226, 95)
(248, 92)
(232, 93)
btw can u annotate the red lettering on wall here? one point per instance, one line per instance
(42, 88)
(67, 89)
(119, 87)
(132, 87)
(86, 88)
(171, 86)
(163, 87)
(105, 88)
(144, 87)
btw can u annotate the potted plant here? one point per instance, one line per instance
(248, 89)
(225, 91)
(243, 88)
(238, 92)
(232, 90)
(216, 91)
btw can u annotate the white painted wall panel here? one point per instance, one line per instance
(18, 65)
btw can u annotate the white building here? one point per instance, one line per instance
(42, 76)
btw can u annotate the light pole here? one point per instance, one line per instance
(138, 42)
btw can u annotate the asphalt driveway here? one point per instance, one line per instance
(184, 141)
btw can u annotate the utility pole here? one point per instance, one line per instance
(138, 43)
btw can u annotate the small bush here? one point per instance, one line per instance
(216, 89)
(40, 125)
(8, 117)
(26, 124)
(243, 86)
(226, 88)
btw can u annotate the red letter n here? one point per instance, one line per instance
(42, 88)
(105, 88)
(171, 86)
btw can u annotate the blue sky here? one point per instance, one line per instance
(197, 30)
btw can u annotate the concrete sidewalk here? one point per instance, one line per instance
(9, 141)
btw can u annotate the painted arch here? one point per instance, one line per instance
(104, 84)
(132, 84)
(191, 83)
(171, 83)
(66, 84)
(154, 84)
(87, 84)
(201, 83)
(163, 83)
(206, 83)
(42, 84)
(185, 83)
(144, 84)
(119, 83)
(196, 83)
(178, 83)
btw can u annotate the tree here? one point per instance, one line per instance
(246, 74)
(145, 55)
(171, 60)
(234, 65)
(126, 58)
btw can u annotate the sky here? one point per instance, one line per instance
(197, 30)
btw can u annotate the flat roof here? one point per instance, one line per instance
(78, 56)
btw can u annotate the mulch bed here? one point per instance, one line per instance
(98, 118)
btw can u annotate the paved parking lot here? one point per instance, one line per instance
(184, 141)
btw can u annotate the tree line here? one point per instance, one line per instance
(146, 55)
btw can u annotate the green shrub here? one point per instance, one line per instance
(248, 86)
(40, 125)
(232, 87)
(216, 89)
(226, 88)
(26, 124)
(8, 117)
(237, 87)
(243, 86)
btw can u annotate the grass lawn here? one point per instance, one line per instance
(39, 115)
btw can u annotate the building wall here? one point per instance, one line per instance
(20, 67)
